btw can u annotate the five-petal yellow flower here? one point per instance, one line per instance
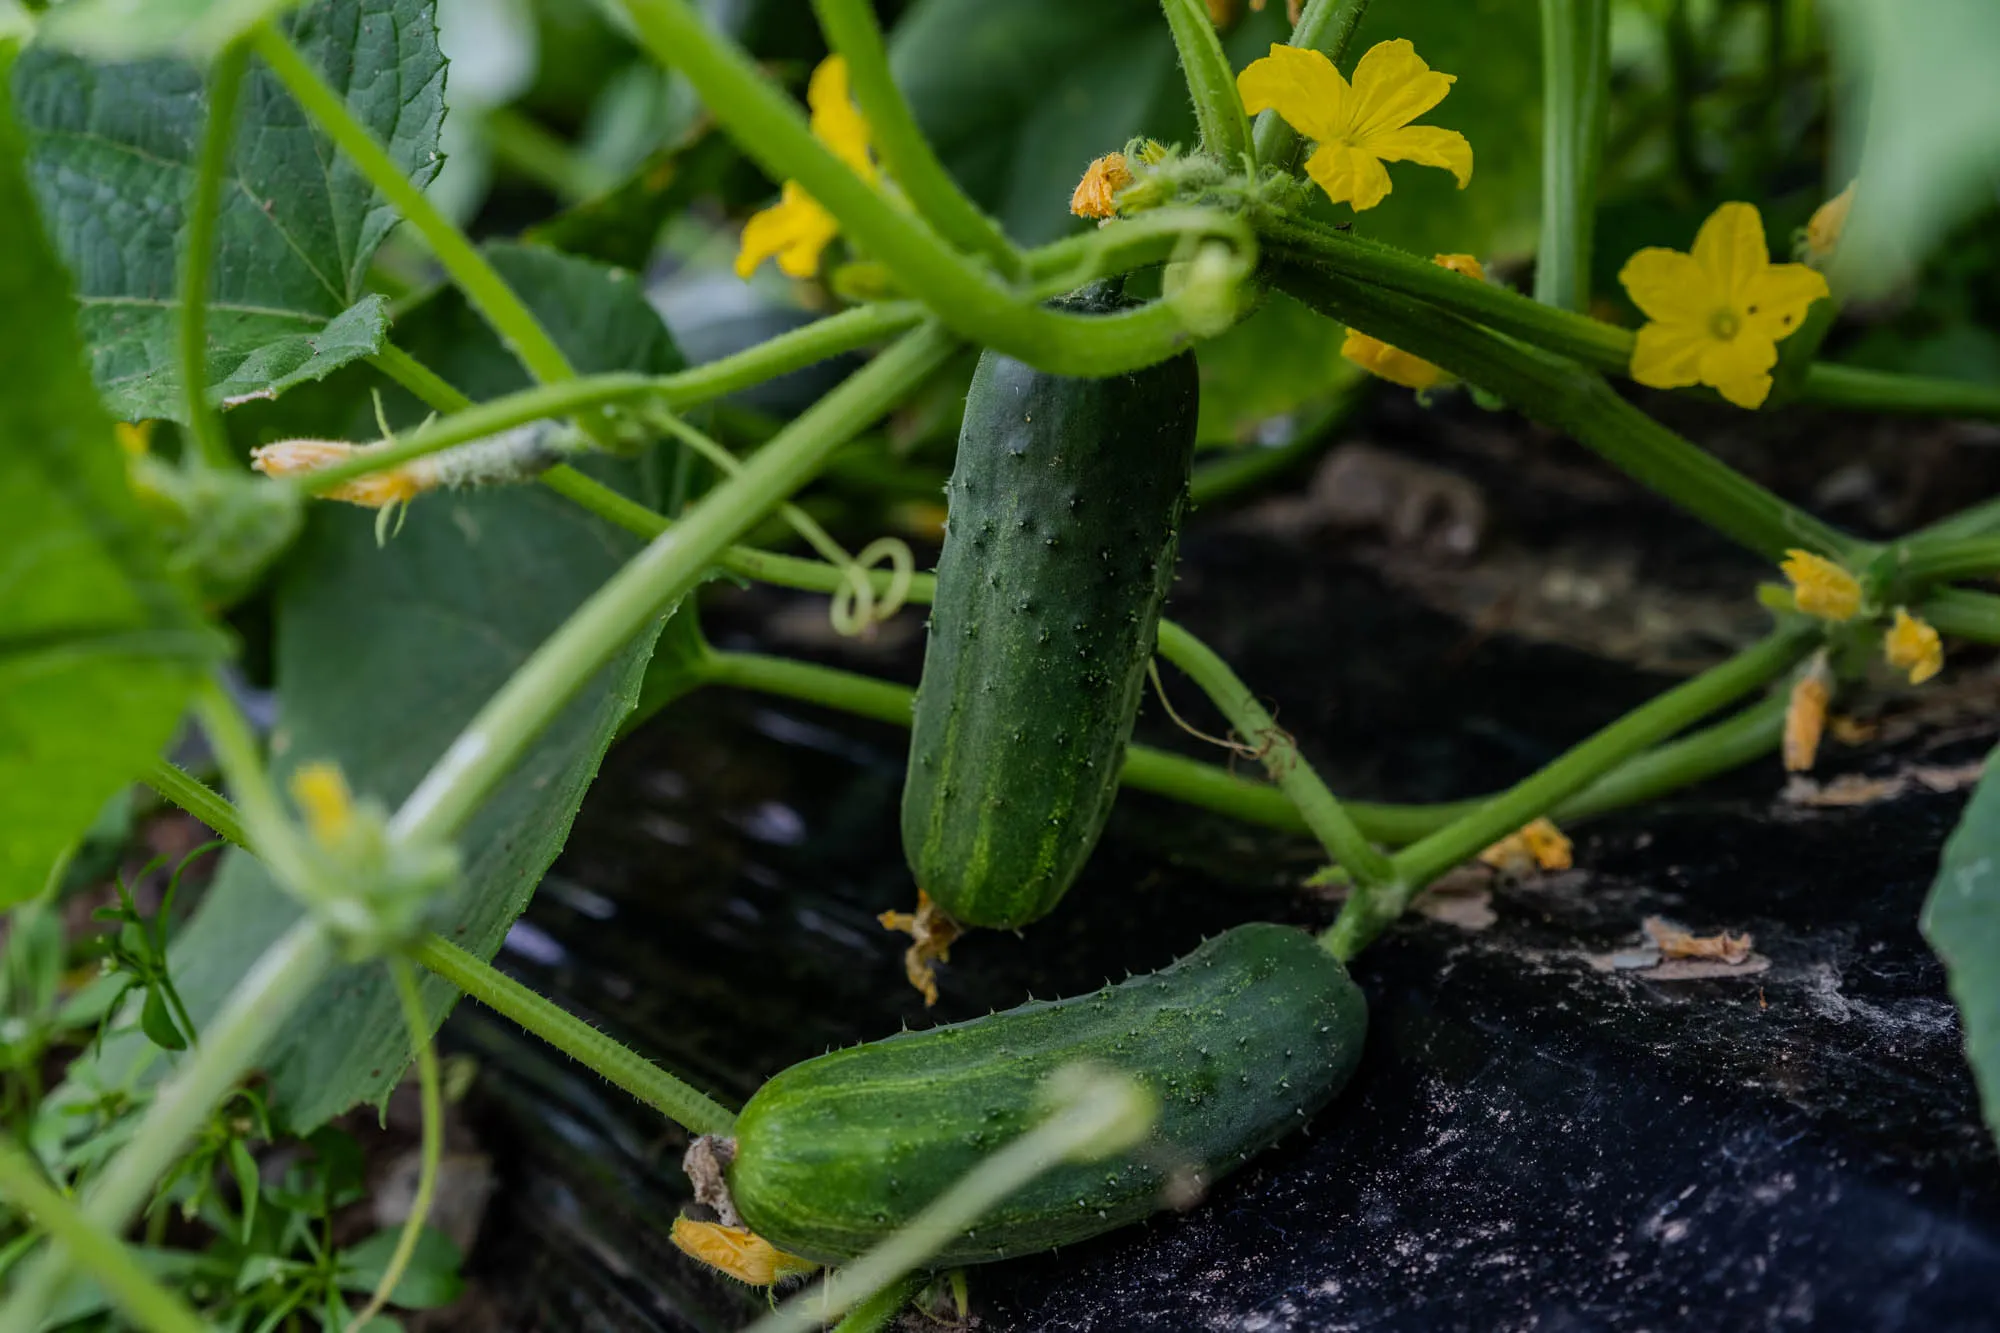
(1715, 316)
(796, 228)
(1358, 126)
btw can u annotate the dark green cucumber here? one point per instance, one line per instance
(1241, 1041)
(1065, 506)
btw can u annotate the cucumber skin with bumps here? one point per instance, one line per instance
(1240, 1041)
(1065, 508)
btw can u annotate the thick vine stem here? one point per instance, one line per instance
(262, 1001)
(1366, 915)
(851, 30)
(1576, 40)
(1922, 561)
(967, 299)
(225, 87)
(651, 584)
(1579, 403)
(1963, 614)
(1218, 111)
(1592, 342)
(617, 1064)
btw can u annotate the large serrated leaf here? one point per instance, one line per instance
(112, 153)
(383, 655)
(99, 648)
(1962, 922)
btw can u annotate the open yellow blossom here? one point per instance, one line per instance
(1912, 645)
(737, 1251)
(1715, 316)
(1820, 587)
(1393, 364)
(1827, 222)
(1358, 126)
(1097, 193)
(1805, 716)
(294, 458)
(796, 228)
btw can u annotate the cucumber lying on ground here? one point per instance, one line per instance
(1240, 1041)
(1065, 506)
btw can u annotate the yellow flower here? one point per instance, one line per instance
(1913, 646)
(293, 458)
(796, 229)
(1538, 845)
(1393, 364)
(1715, 316)
(1360, 126)
(737, 1251)
(1805, 716)
(1097, 193)
(1820, 587)
(321, 792)
(1827, 222)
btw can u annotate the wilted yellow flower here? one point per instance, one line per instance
(1358, 126)
(1820, 587)
(1539, 844)
(1393, 364)
(1715, 316)
(1097, 193)
(320, 791)
(1805, 716)
(1913, 646)
(295, 458)
(797, 229)
(1827, 222)
(738, 1251)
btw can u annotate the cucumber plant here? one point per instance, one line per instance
(205, 201)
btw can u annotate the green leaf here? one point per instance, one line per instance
(157, 1022)
(1923, 122)
(121, 30)
(384, 654)
(1279, 360)
(431, 1279)
(99, 648)
(1962, 922)
(112, 152)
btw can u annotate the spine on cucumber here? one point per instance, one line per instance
(1240, 1041)
(1065, 508)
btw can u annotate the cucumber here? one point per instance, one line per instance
(1065, 506)
(1240, 1041)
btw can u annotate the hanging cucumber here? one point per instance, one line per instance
(1065, 506)
(1240, 1041)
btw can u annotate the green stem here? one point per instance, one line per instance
(877, 1312)
(188, 792)
(523, 143)
(276, 985)
(483, 287)
(1963, 614)
(651, 584)
(1921, 562)
(1579, 403)
(468, 421)
(1829, 385)
(431, 1095)
(264, 818)
(1275, 748)
(1218, 111)
(1153, 237)
(1366, 915)
(966, 299)
(616, 1064)
(1575, 58)
(851, 30)
(225, 86)
(1324, 25)
(131, 1287)
(1751, 734)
